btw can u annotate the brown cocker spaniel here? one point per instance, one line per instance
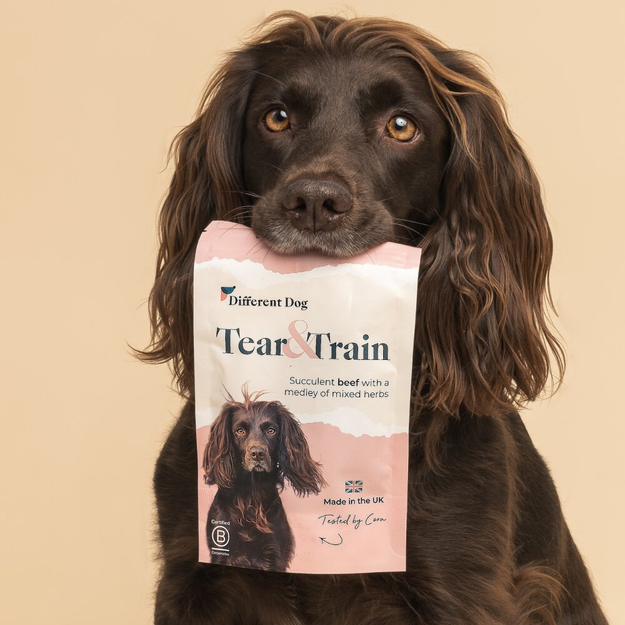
(253, 447)
(336, 135)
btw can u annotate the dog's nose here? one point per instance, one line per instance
(257, 454)
(316, 204)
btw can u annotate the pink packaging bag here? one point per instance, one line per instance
(302, 370)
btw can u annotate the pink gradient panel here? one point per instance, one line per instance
(364, 549)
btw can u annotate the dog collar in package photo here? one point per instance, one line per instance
(302, 394)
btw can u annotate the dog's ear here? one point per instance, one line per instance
(219, 461)
(207, 184)
(294, 460)
(483, 331)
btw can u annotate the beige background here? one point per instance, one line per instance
(92, 94)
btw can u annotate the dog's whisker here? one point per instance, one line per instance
(245, 209)
(227, 230)
(241, 191)
(254, 247)
(411, 221)
(370, 257)
(255, 71)
(276, 167)
(408, 228)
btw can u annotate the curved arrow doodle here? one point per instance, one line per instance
(327, 542)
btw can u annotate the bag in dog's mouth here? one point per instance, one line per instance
(302, 391)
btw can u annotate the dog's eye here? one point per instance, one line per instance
(276, 120)
(401, 128)
(271, 431)
(240, 431)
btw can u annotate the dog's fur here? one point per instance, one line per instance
(253, 447)
(487, 542)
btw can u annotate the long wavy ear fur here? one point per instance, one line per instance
(219, 462)
(207, 184)
(295, 462)
(482, 326)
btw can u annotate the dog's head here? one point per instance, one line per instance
(335, 135)
(341, 150)
(262, 438)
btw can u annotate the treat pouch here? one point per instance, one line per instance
(302, 370)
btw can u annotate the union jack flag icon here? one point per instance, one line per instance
(353, 486)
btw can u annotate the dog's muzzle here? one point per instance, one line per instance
(257, 459)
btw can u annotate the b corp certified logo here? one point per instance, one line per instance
(220, 536)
